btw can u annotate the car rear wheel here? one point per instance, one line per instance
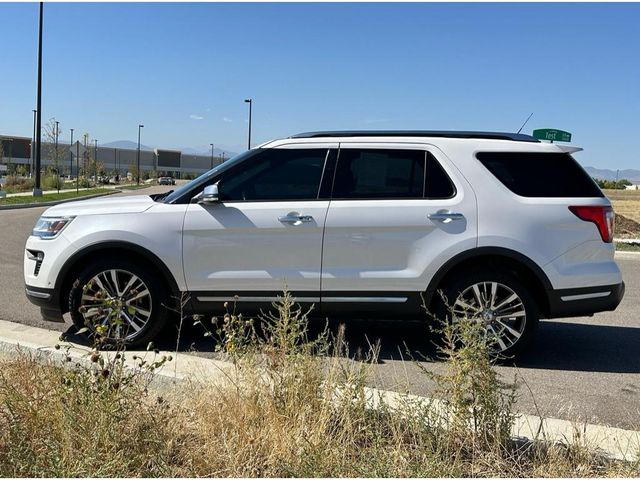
(120, 300)
(500, 302)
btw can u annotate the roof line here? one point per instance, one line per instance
(519, 137)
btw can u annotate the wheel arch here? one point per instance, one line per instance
(497, 258)
(122, 249)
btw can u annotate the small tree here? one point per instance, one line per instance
(612, 184)
(53, 150)
(133, 170)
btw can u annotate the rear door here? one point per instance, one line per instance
(397, 212)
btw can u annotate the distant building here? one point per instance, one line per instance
(632, 187)
(17, 151)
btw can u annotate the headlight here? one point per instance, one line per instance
(50, 227)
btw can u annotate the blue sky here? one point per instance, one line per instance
(184, 69)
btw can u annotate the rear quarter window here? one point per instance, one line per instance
(540, 174)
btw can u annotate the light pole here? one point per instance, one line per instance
(37, 191)
(71, 156)
(222, 157)
(33, 145)
(77, 167)
(95, 158)
(211, 154)
(55, 151)
(85, 156)
(138, 156)
(250, 102)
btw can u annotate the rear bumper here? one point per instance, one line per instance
(577, 302)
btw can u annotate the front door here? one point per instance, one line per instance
(264, 235)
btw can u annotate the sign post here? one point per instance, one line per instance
(552, 135)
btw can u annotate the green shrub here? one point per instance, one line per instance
(52, 182)
(84, 182)
(16, 184)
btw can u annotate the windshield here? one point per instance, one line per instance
(204, 178)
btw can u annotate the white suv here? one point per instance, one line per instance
(361, 224)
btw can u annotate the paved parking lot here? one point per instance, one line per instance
(582, 368)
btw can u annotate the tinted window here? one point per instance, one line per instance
(370, 173)
(184, 193)
(276, 174)
(438, 183)
(533, 174)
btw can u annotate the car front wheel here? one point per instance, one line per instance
(120, 301)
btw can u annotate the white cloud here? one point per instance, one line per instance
(196, 117)
(227, 119)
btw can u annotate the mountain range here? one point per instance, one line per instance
(128, 144)
(604, 174)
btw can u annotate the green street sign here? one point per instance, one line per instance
(552, 134)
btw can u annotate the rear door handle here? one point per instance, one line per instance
(445, 216)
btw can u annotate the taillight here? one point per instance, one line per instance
(603, 217)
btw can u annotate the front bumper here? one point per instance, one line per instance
(47, 299)
(578, 302)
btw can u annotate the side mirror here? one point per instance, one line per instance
(210, 195)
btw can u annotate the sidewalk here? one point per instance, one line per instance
(46, 192)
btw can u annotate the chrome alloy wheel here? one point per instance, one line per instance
(498, 307)
(116, 303)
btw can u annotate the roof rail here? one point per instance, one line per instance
(518, 137)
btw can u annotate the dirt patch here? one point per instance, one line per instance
(627, 228)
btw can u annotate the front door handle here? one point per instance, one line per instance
(445, 216)
(295, 218)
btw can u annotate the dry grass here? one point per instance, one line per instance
(625, 202)
(291, 407)
(56, 422)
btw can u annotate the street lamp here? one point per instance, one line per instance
(55, 151)
(138, 155)
(33, 145)
(78, 167)
(95, 158)
(211, 154)
(37, 191)
(85, 156)
(250, 102)
(71, 156)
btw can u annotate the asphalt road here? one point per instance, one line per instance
(584, 369)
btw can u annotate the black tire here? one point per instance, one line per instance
(138, 328)
(461, 286)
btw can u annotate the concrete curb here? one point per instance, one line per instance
(56, 202)
(615, 443)
(627, 255)
(630, 241)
